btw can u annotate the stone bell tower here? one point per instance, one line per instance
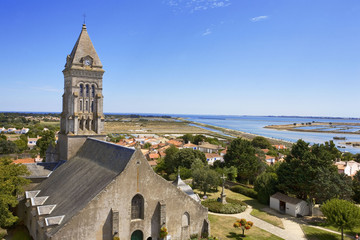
(82, 110)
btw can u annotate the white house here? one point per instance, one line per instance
(206, 147)
(351, 168)
(270, 160)
(212, 157)
(191, 145)
(24, 130)
(289, 205)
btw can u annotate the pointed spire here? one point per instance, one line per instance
(83, 49)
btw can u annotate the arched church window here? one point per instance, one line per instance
(81, 105)
(81, 90)
(137, 207)
(87, 90)
(92, 106)
(185, 220)
(92, 91)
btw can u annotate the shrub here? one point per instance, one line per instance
(245, 191)
(233, 206)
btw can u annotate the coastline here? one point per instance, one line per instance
(322, 128)
(237, 133)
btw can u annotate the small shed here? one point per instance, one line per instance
(289, 205)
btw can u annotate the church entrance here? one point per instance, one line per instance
(137, 235)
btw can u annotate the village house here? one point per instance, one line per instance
(212, 157)
(349, 168)
(279, 147)
(270, 160)
(223, 152)
(32, 142)
(191, 145)
(206, 147)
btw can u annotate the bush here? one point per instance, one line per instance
(233, 206)
(245, 191)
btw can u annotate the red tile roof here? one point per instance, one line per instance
(154, 156)
(24, 160)
(212, 155)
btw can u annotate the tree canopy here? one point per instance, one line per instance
(241, 154)
(309, 173)
(342, 214)
(176, 158)
(47, 138)
(204, 178)
(11, 185)
(261, 142)
(266, 185)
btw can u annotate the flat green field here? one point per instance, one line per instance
(222, 227)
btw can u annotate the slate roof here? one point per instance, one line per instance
(286, 198)
(41, 170)
(80, 179)
(83, 47)
(185, 188)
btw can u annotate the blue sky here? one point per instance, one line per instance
(236, 57)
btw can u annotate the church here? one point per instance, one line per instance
(103, 190)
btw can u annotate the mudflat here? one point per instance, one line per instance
(322, 127)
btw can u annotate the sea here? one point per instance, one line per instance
(256, 124)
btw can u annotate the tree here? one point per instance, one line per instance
(356, 187)
(204, 178)
(261, 142)
(186, 156)
(47, 138)
(241, 154)
(231, 173)
(21, 143)
(243, 224)
(7, 147)
(176, 158)
(187, 138)
(342, 214)
(11, 185)
(266, 185)
(147, 145)
(309, 173)
(169, 160)
(199, 138)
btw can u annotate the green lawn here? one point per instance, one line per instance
(222, 227)
(328, 226)
(312, 233)
(256, 212)
(274, 220)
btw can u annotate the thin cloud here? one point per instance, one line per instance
(207, 32)
(197, 5)
(259, 18)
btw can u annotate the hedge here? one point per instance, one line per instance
(232, 206)
(244, 191)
